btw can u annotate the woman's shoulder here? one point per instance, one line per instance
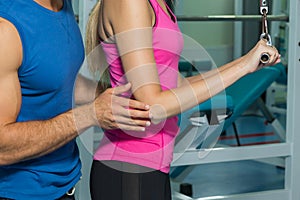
(137, 8)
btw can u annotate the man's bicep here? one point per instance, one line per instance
(10, 59)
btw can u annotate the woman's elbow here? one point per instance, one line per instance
(158, 113)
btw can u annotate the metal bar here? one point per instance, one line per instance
(292, 172)
(195, 157)
(232, 18)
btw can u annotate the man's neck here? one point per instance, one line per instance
(54, 5)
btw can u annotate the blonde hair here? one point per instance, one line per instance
(92, 36)
(92, 41)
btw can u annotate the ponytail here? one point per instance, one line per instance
(95, 55)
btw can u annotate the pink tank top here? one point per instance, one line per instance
(154, 147)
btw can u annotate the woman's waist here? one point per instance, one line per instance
(167, 128)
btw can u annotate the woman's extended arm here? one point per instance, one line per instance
(134, 41)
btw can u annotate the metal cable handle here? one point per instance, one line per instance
(265, 57)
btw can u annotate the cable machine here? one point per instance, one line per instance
(290, 148)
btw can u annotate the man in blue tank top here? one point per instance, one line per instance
(41, 52)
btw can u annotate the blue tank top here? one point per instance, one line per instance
(52, 55)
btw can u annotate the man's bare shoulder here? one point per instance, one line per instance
(10, 44)
(6, 27)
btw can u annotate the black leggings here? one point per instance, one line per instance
(123, 181)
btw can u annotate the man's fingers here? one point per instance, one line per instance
(129, 116)
(128, 124)
(132, 117)
(138, 105)
(133, 104)
(132, 122)
(137, 112)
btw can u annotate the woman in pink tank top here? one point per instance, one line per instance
(142, 45)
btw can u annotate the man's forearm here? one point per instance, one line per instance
(26, 140)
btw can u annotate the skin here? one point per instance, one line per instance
(133, 37)
(21, 141)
